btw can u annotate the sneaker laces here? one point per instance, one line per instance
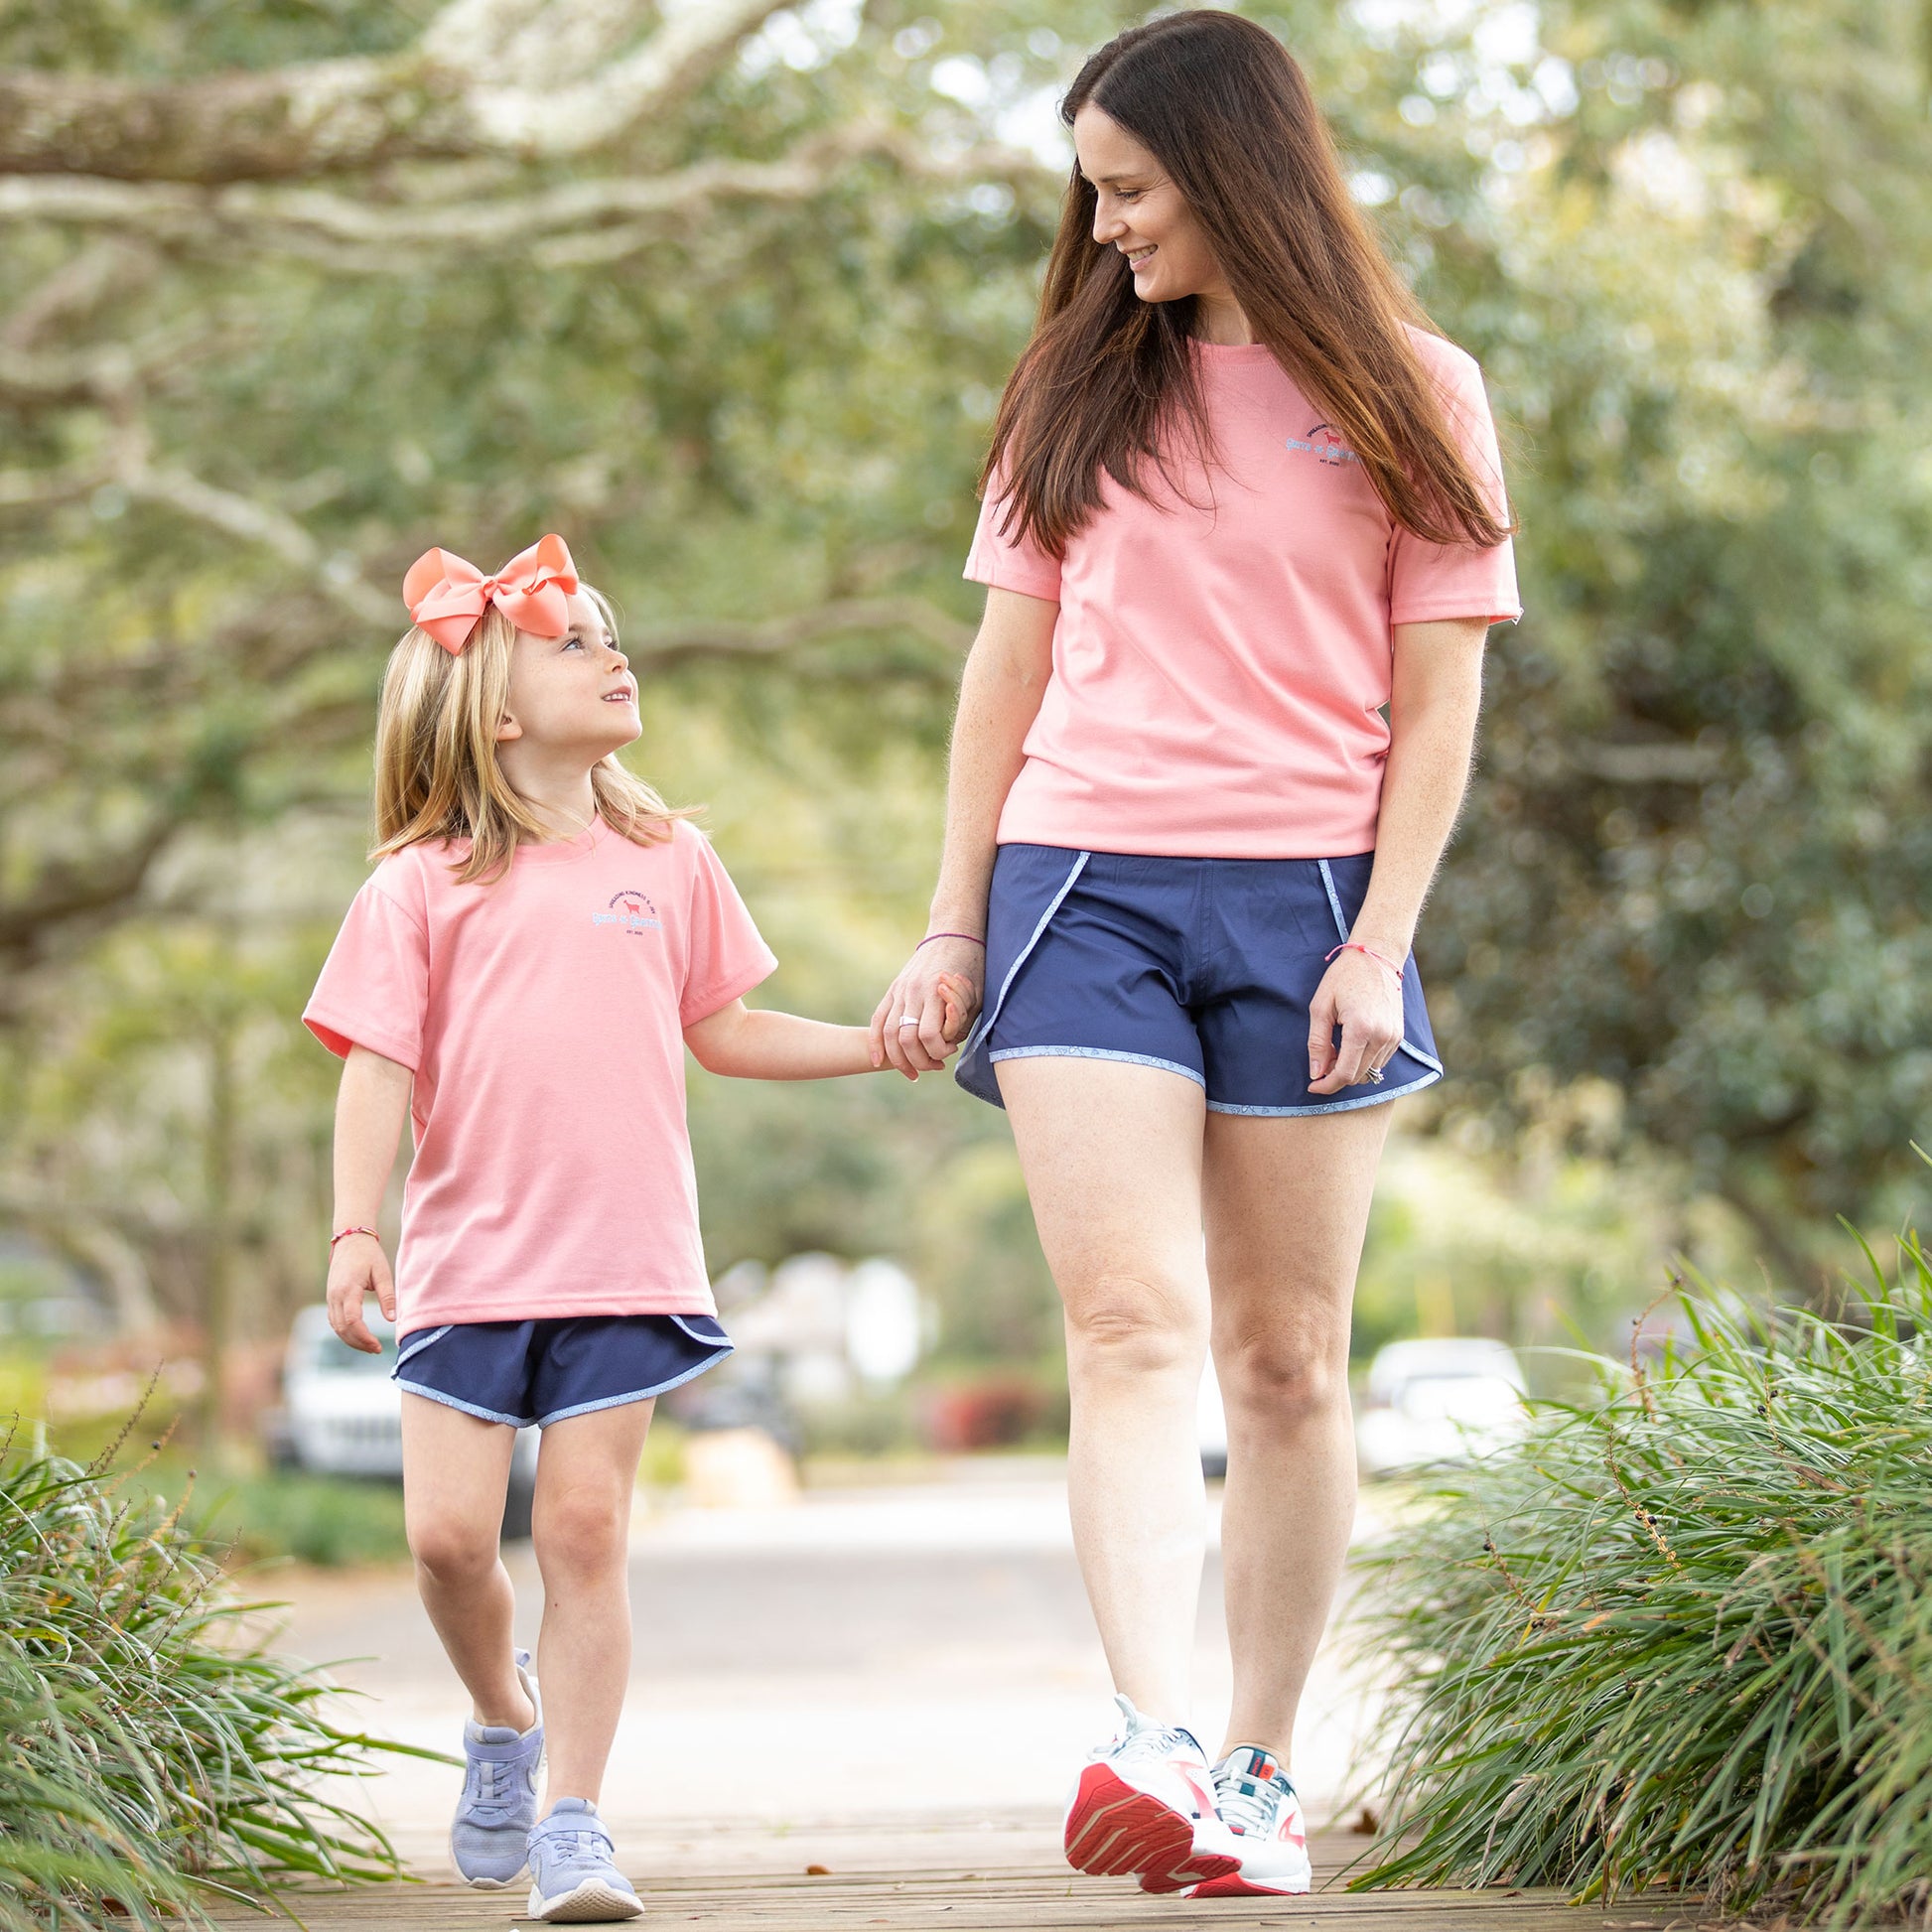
(1249, 1806)
(1144, 1736)
(489, 1779)
(578, 1845)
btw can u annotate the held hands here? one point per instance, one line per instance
(1363, 996)
(939, 988)
(359, 1267)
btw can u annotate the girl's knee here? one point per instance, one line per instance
(453, 1552)
(582, 1530)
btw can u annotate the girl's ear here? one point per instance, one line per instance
(507, 729)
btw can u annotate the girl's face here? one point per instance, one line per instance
(571, 693)
(1140, 212)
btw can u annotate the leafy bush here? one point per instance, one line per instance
(156, 1758)
(1684, 1635)
(328, 1520)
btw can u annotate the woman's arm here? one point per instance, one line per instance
(999, 697)
(1434, 701)
(370, 1107)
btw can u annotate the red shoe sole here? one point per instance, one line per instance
(1233, 1885)
(1115, 1830)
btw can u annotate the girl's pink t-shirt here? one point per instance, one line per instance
(542, 1016)
(1223, 650)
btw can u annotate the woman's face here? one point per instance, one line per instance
(1140, 212)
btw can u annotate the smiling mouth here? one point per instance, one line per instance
(624, 693)
(1137, 256)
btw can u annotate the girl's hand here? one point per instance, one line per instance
(1363, 997)
(359, 1267)
(921, 992)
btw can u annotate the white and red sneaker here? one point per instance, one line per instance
(1259, 1807)
(1145, 1805)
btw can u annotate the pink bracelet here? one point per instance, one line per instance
(972, 938)
(342, 1234)
(1381, 959)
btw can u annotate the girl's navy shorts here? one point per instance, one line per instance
(541, 1371)
(1205, 967)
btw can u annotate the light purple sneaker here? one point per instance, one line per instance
(500, 1796)
(573, 1881)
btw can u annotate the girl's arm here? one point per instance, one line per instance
(1000, 691)
(1432, 706)
(760, 1045)
(370, 1108)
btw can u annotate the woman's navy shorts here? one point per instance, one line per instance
(1205, 967)
(524, 1372)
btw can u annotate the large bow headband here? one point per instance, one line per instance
(446, 596)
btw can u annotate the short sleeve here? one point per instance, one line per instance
(375, 984)
(726, 957)
(1428, 580)
(1005, 561)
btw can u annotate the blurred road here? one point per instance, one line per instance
(910, 1666)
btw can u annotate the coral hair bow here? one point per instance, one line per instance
(447, 595)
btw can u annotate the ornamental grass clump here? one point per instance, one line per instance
(156, 1758)
(1682, 1635)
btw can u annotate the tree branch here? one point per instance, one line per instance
(567, 225)
(776, 635)
(465, 88)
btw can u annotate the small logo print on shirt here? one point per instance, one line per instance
(1322, 440)
(630, 911)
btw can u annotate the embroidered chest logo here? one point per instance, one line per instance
(628, 913)
(1322, 442)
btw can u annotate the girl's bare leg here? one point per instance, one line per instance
(456, 1469)
(586, 1477)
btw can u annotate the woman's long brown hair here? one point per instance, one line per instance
(1108, 379)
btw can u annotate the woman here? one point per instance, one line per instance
(1239, 501)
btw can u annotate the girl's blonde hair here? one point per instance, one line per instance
(436, 776)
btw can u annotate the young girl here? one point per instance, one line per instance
(521, 975)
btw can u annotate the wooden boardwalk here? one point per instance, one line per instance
(998, 1900)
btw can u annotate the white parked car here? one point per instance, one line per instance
(341, 1416)
(1444, 1399)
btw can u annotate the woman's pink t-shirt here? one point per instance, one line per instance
(1222, 651)
(542, 1016)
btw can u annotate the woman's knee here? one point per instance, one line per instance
(1278, 1380)
(1130, 1324)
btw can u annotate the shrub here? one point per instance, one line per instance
(1682, 1635)
(323, 1520)
(156, 1758)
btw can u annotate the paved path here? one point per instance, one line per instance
(807, 1672)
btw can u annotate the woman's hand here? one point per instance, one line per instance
(356, 1268)
(1363, 997)
(940, 988)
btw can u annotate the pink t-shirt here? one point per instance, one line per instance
(1219, 663)
(542, 1018)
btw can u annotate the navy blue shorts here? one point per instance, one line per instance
(524, 1372)
(1205, 967)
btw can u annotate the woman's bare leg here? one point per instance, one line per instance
(1112, 1155)
(1287, 1205)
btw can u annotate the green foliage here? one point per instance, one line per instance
(157, 1756)
(1684, 1636)
(328, 1520)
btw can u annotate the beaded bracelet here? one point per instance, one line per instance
(1381, 959)
(971, 938)
(342, 1234)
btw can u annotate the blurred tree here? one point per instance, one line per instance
(726, 293)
